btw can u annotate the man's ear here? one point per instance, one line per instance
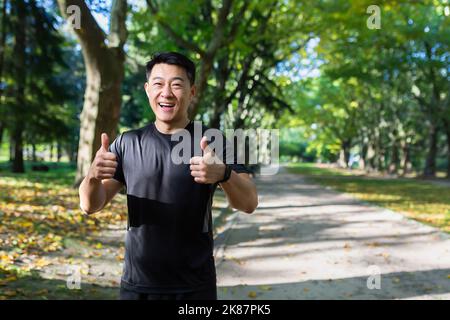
(147, 88)
(193, 90)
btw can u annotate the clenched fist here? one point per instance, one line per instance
(105, 163)
(207, 169)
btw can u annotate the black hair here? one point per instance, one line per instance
(173, 58)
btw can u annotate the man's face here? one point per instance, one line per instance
(169, 92)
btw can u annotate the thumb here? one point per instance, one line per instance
(204, 145)
(105, 141)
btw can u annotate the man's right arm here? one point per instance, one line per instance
(96, 194)
(99, 187)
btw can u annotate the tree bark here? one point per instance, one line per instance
(447, 133)
(2, 44)
(11, 148)
(33, 152)
(430, 164)
(394, 156)
(58, 151)
(2, 130)
(406, 159)
(20, 79)
(345, 153)
(104, 59)
(2, 60)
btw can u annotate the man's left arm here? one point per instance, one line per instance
(239, 188)
(241, 192)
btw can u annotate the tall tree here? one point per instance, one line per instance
(2, 62)
(20, 23)
(104, 59)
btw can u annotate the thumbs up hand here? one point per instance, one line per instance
(105, 163)
(209, 168)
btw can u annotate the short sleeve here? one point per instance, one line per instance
(117, 148)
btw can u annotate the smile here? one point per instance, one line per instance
(166, 105)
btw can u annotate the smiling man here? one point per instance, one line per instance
(169, 242)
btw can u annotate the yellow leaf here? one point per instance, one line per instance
(99, 245)
(41, 292)
(10, 293)
(265, 288)
(252, 294)
(42, 262)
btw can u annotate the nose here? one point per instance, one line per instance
(166, 91)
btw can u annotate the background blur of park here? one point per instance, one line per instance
(360, 94)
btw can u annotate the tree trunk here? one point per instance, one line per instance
(11, 148)
(344, 156)
(447, 133)
(205, 70)
(363, 156)
(101, 108)
(430, 164)
(51, 151)
(406, 162)
(2, 130)
(20, 79)
(18, 165)
(104, 59)
(2, 46)
(33, 152)
(58, 151)
(395, 158)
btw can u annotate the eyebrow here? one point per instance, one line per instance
(174, 78)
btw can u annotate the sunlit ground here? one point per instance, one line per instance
(423, 201)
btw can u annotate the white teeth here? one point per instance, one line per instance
(166, 105)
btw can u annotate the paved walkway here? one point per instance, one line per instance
(308, 242)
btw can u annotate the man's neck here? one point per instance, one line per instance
(171, 127)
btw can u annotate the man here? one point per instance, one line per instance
(169, 243)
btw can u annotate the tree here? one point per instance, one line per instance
(104, 59)
(31, 88)
(20, 23)
(223, 31)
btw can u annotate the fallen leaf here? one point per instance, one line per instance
(10, 293)
(252, 294)
(41, 292)
(265, 288)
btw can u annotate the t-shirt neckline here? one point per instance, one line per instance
(168, 134)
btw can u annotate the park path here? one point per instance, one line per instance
(306, 241)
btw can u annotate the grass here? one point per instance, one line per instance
(420, 200)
